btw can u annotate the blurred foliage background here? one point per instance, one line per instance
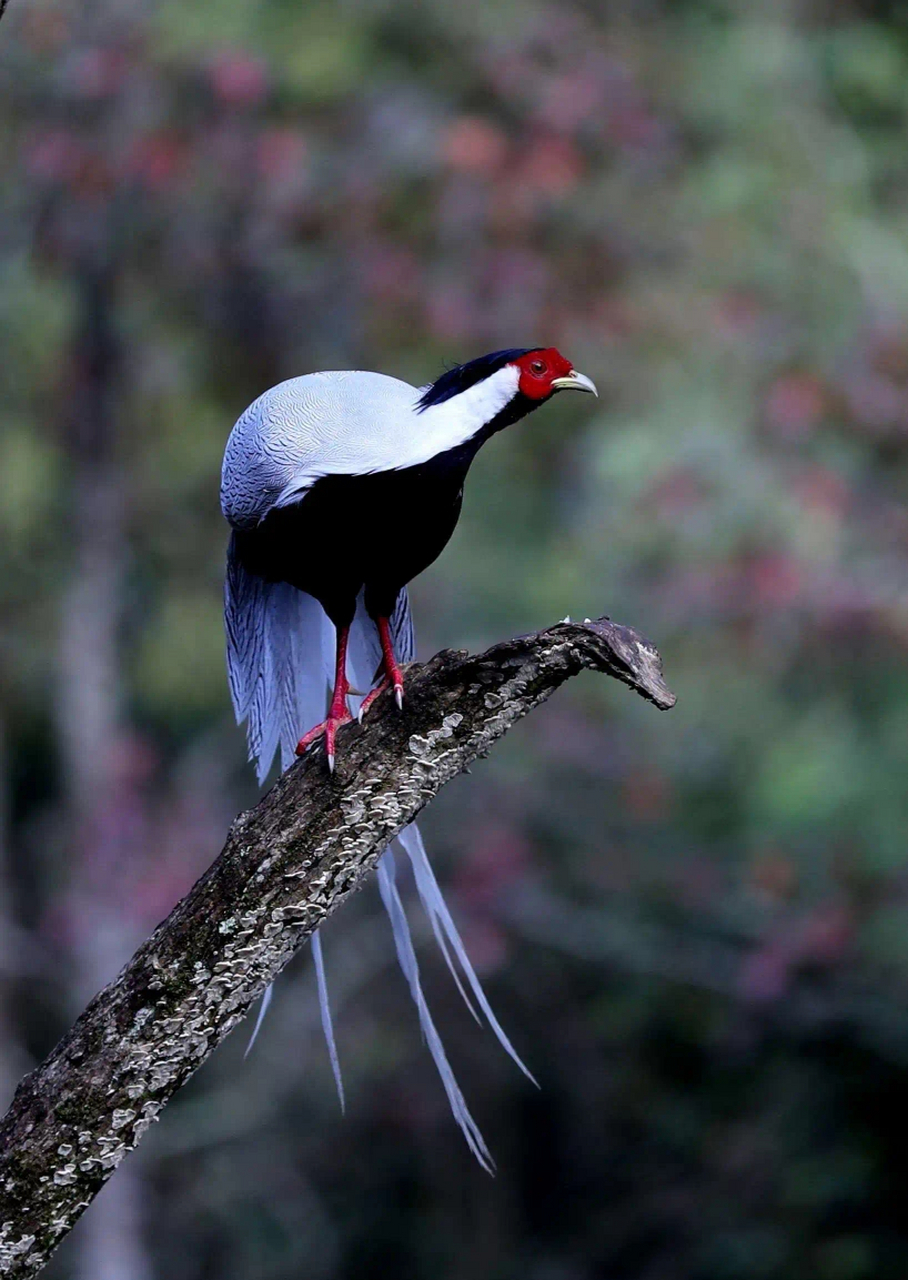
(694, 926)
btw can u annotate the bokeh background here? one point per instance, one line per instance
(694, 925)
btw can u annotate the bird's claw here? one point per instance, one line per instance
(370, 698)
(327, 729)
(380, 688)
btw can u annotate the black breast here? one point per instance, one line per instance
(352, 532)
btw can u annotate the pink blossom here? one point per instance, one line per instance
(498, 858)
(823, 490)
(474, 145)
(776, 581)
(795, 404)
(568, 100)
(551, 165)
(764, 976)
(95, 73)
(239, 79)
(158, 160)
(53, 155)
(281, 153)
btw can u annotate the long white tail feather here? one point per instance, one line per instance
(404, 838)
(437, 910)
(263, 1009)
(280, 660)
(311, 660)
(406, 956)
(363, 654)
(325, 1008)
(245, 634)
(443, 948)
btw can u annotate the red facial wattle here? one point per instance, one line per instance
(539, 369)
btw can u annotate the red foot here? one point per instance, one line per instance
(329, 728)
(395, 678)
(379, 688)
(338, 712)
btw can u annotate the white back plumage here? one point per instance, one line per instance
(345, 423)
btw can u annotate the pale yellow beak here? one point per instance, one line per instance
(574, 381)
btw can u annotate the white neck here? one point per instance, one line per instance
(444, 426)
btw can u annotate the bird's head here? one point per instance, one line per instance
(501, 387)
(544, 371)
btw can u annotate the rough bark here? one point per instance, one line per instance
(286, 865)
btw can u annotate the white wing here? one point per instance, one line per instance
(344, 423)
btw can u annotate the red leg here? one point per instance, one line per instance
(338, 711)
(392, 672)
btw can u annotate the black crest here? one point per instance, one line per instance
(463, 376)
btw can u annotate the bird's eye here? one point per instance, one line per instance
(538, 366)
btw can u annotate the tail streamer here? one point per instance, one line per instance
(325, 1009)
(406, 956)
(444, 927)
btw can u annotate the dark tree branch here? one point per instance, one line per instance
(286, 865)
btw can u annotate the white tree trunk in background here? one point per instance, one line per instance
(102, 930)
